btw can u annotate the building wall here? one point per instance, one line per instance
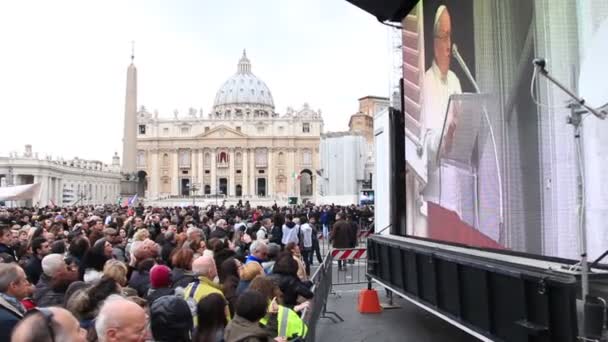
(62, 182)
(275, 149)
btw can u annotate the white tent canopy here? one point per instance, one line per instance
(20, 192)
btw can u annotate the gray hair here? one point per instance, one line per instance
(9, 273)
(104, 319)
(257, 245)
(194, 229)
(52, 263)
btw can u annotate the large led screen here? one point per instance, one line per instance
(491, 161)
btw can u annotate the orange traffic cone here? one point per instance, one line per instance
(369, 302)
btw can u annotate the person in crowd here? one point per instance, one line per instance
(271, 258)
(316, 248)
(168, 245)
(91, 267)
(33, 268)
(181, 274)
(285, 275)
(221, 251)
(112, 236)
(291, 231)
(85, 300)
(78, 247)
(212, 318)
(229, 276)
(306, 243)
(48, 325)
(14, 287)
(294, 250)
(121, 320)
(7, 241)
(140, 278)
(116, 270)
(276, 234)
(221, 230)
(171, 319)
(57, 275)
(340, 237)
(160, 283)
(286, 322)
(204, 267)
(253, 264)
(264, 231)
(250, 309)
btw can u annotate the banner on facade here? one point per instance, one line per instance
(20, 192)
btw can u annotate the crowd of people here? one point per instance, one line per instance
(111, 273)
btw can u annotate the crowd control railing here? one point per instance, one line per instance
(322, 283)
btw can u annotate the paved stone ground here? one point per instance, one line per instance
(408, 323)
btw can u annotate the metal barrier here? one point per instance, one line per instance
(351, 266)
(322, 282)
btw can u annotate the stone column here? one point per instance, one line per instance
(213, 169)
(231, 185)
(201, 170)
(290, 169)
(193, 166)
(270, 179)
(252, 173)
(59, 191)
(175, 172)
(245, 172)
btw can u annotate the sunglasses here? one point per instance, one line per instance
(47, 315)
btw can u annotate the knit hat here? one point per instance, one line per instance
(160, 276)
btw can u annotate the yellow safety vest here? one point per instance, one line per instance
(290, 323)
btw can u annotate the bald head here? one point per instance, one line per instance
(120, 319)
(34, 327)
(204, 266)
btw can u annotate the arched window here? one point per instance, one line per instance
(281, 158)
(222, 158)
(165, 160)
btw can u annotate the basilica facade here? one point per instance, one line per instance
(241, 149)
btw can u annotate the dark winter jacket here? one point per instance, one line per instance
(8, 250)
(170, 319)
(154, 294)
(291, 286)
(9, 317)
(181, 278)
(140, 281)
(277, 234)
(45, 295)
(33, 269)
(341, 235)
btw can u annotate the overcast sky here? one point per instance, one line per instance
(63, 63)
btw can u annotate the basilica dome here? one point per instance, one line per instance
(243, 94)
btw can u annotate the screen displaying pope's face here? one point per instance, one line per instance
(443, 42)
